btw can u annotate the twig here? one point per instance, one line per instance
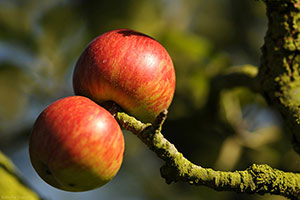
(259, 179)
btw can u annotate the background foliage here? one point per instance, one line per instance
(40, 41)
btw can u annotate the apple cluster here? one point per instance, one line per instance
(76, 144)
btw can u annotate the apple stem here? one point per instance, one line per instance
(111, 107)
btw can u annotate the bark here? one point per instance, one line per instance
(259, 179)
(279, 70)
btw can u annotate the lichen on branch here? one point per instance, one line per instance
(259, 179)
(279, 70)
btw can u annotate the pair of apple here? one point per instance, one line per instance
(77, 145)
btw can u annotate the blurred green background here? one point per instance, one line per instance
(40, 41)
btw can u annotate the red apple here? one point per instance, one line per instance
(76, 145)
(128, 68)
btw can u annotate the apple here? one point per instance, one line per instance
(76, 145)
(128, 68)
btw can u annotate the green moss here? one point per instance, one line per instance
(256, 179)
(268, 179)
(279, 70)
(128, 122)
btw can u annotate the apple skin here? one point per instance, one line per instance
(128, 68)
(76, 145)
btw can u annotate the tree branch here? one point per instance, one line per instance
(259, 179)
(244, 75)
(241, 76)
(279, 71)
(12, 185)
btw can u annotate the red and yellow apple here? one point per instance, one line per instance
(129, 68)
(76, 145)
